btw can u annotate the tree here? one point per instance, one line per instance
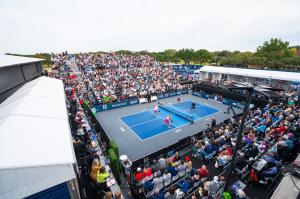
(201, 56)
(185, 54)
(274, 49)
(124, 52)
(169, 55)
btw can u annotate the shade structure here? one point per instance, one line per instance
(288, 187)
(10, 60)
(35, 140)
(266, 74)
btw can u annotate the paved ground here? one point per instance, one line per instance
(136, 148)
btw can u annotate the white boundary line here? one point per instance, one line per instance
(159, 118)
(131, 130)
(141, 111)
(163, 132)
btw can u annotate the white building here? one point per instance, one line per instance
(36, 150)
(277, 79)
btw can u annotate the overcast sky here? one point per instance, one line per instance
(31, 26)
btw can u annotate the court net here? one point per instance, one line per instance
(177, 112)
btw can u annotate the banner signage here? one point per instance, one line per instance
(105, 107)
(225, 101)
(172, 94)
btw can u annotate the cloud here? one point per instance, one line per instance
(78, 26)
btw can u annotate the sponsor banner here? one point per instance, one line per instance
(225, 101)
(171, 94)
(105, 107)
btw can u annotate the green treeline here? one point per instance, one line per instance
(273, 54)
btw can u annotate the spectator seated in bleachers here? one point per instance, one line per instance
(181, 167)
(185, 185)
(167, 178)
(158, 182)
(171, 194)
(148, 186)
(224, 157)
(188, 164)
(201, 194)
(139, 175)
(172, 169)
(147, 173)
(212, 186)
(207, 152)
(158, 195)
(203, 172)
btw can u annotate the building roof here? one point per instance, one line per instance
(267, 74)
(36, 147)
(10, 60)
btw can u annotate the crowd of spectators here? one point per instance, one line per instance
(110, 77)
(86, 146)
(270, 140)
(174, 177)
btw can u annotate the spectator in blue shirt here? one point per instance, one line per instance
(184, 185)
(171, 169)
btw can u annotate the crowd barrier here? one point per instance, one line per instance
(225, 101)
(172, 94)
(128, 102)
(105, 107)
(228, 95)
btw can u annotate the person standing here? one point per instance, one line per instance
(168, 121)
(213, 122)
(127, 169)
(193, 107)
(156, 110)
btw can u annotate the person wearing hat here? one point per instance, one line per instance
(139, 175)
(188, 163)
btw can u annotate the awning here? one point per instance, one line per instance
(266, 74)
(36, 148)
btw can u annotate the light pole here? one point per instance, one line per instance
(240, 133)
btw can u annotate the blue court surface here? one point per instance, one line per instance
(146, 124)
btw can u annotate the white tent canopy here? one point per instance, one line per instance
(266, 74)
(10, 60)
(35, 140)
(288, 187)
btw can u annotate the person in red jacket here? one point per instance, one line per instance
(147, 172)
(280, 129)
(203, 172)
(139, 175)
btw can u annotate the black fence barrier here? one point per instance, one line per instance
(215, 89)
(97, 126)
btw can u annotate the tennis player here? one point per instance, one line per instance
(168, 121)
(193, 107)
(155, 110)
